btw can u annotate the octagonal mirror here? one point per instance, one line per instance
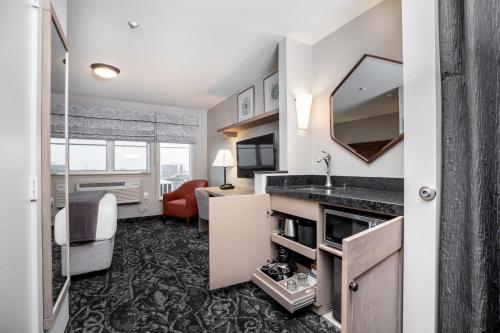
(366, 108)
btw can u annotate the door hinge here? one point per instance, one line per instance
(271, 213)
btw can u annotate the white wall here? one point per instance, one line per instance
(296, 62)
(149, 181)
(377, 32)
(318, 69)
(224, 114)
(20, 227)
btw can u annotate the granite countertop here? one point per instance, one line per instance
(384, 196)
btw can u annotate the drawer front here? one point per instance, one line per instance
(302, 208)
(291, 302)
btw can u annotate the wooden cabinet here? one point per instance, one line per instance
(242, 237)
(372, 279)
(239, 237)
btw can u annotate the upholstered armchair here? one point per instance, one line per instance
(181, 203)
(202, 198)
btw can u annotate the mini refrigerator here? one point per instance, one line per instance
(337, 288)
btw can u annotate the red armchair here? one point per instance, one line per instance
(182, 202)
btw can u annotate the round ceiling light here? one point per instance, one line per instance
(105, 71)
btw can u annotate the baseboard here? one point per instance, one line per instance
(141, 218)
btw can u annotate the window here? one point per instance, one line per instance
(175, 166)
(101, 156)
(87, 155)
(57, 155)
(131, 156)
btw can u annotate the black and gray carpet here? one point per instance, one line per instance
(57, 279)
(158, 282)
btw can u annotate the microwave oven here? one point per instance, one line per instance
(340, 224)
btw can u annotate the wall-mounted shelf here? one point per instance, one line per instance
(261, 119)
(294, 246)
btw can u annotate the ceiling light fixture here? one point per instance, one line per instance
(133, 24)
(105, 71)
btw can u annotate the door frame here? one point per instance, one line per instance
(422, 163)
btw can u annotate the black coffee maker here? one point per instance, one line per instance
(286, 263)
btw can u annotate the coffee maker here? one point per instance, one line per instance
(286, 264)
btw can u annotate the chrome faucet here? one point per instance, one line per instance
(328, 160)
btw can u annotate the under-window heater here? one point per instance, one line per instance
(129, 191)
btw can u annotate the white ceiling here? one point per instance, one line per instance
(191, 53)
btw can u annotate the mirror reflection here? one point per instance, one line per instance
(58, 162)
(367, 107)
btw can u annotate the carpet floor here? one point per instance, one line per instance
(158, 282)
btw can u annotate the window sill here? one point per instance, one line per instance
(105, 173)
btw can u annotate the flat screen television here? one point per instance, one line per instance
(256, 154)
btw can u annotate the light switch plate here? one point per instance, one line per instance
(34, 189)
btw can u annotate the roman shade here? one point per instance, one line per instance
(86, 122)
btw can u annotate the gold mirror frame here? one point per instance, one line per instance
(50, 19)
(390, 144)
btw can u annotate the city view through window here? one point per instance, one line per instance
(175, 167)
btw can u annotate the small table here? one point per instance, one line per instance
(217, 192)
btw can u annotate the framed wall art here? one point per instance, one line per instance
(271, 93)
(246, 104)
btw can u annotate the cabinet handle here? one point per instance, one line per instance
(353, 286)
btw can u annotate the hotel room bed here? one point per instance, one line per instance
(90, 256)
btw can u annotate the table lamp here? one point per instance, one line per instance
(224, 159)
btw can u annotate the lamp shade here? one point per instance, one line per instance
(224, 158)
(303, 107)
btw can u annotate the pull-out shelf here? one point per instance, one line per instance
(294, 246)
(291, 301)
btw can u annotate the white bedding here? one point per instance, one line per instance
(106, 221)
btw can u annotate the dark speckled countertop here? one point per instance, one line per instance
(383, 195)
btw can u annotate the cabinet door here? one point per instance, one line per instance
(372, 279)
(239, 237)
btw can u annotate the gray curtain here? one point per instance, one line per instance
(115, 124)
(469, 257)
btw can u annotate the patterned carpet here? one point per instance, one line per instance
(158, 283)
(57, 278)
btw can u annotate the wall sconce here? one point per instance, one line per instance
(303, 107)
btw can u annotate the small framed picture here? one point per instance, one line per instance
(246, 104)
(272, 92)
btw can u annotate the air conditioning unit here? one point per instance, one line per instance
(129, 191)
(60, 200)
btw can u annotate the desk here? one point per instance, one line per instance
(238, 236)
(217, 192)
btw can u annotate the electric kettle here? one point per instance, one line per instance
(288, 228)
